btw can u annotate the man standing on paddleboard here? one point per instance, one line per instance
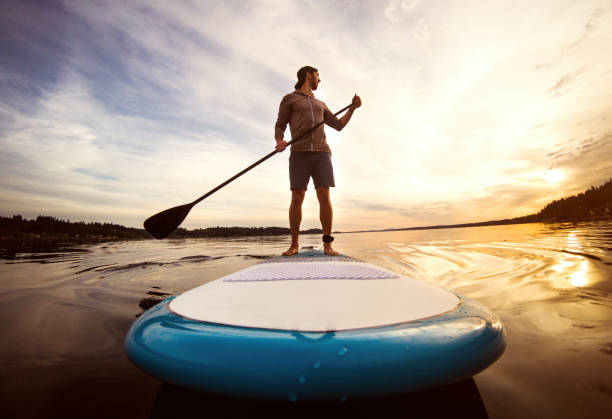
(310, 157)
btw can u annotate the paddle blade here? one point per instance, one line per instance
(162, 224)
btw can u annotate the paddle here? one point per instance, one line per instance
(162, 224)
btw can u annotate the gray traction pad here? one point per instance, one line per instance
(312, 256)
(306, 271)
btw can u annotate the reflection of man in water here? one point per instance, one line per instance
(310, 156)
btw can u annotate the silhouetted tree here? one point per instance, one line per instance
(594, 203)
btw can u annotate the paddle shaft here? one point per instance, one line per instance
(258, 162)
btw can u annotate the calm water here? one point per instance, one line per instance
(65, 316)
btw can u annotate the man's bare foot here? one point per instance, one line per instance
(293, 250)
(327, 249)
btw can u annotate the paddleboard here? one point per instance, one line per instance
(313, 326)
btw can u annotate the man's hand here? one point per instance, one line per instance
(280, 145)
(354, 105)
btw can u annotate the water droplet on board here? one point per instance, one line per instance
(302, 379)
(317, 364)
(342, 351)
(292, 397)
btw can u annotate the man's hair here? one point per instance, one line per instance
(301, 75)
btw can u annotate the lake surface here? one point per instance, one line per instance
(65, 316)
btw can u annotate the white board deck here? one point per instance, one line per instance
(313, 296)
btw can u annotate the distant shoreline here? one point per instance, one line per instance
(478, 224)
(229, 232)
(595, 204)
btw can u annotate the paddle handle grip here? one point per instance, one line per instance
(258, 162)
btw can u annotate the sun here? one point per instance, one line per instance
(554, 175)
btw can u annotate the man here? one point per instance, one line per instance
(310, 157)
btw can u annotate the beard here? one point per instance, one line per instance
(313, 85)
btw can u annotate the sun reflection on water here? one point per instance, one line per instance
(562, 266)
(572, 241)
(574, 267)
(579, 278)
(574, 272)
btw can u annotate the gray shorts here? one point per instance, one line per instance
(304, 164)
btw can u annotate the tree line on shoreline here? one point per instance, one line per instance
(45, 226)
(592, 204)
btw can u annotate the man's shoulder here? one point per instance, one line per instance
(292, 95)
(290, 98)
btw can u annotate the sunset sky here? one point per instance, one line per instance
(472, 110)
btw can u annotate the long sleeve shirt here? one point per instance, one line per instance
(302, 112)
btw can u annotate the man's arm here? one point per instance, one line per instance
(284, 113)
(340, 123)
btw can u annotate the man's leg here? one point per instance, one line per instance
(295, 219)
(326, 214)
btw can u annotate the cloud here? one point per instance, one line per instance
(421, 32)
(396, 8)
(597, 16)
(563, 83)
(588, 160)
(95, 175)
